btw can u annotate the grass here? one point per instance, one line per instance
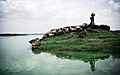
(85, 56)
(101, 41)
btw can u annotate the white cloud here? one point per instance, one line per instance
(115, 6)
(42, 15)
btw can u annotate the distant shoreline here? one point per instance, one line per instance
(19, 34)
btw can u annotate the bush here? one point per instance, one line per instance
(105, 27)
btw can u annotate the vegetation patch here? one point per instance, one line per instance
(100, 41)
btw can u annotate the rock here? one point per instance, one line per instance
(45, 36)
(59, 31)
(66, 30)
(35, 42)
(78, 28)
(50, 34)
(94, 26)
(53, 30)
(72, 28)
(82, 34)
(84, 26)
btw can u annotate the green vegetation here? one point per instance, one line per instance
(85, 56)
(95, 45)
(100, 41)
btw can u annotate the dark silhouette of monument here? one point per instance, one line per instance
(92, 64)
(92, 19)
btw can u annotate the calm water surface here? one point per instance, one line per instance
(17, 58)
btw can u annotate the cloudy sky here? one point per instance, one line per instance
(39, 16)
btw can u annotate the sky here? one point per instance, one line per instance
(40, 16)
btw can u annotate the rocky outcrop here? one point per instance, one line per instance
(60, 31)
(77, 28)
(82, 34)
(64, 30)
(35, 43)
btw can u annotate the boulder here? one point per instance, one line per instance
(66, 30)
(45, 36)
(49, 34)
(53, 30)
(72, 28)
(35, 42)
(59, 31)
(78, 28)
(82, 34)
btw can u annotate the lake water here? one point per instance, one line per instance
(17, 58)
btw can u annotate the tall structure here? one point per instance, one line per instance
(92, 19)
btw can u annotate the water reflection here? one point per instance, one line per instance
(16, 59)
(92, 64)
(87, 57)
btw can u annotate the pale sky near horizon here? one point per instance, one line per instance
(39, 16)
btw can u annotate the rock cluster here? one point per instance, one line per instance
(68, 29)
(60, 31)
(82, 34)
(35, 43)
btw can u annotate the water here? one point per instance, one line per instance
(17, 58)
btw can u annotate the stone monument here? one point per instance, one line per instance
(92, 19)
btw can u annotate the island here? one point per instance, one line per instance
(79, 38)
